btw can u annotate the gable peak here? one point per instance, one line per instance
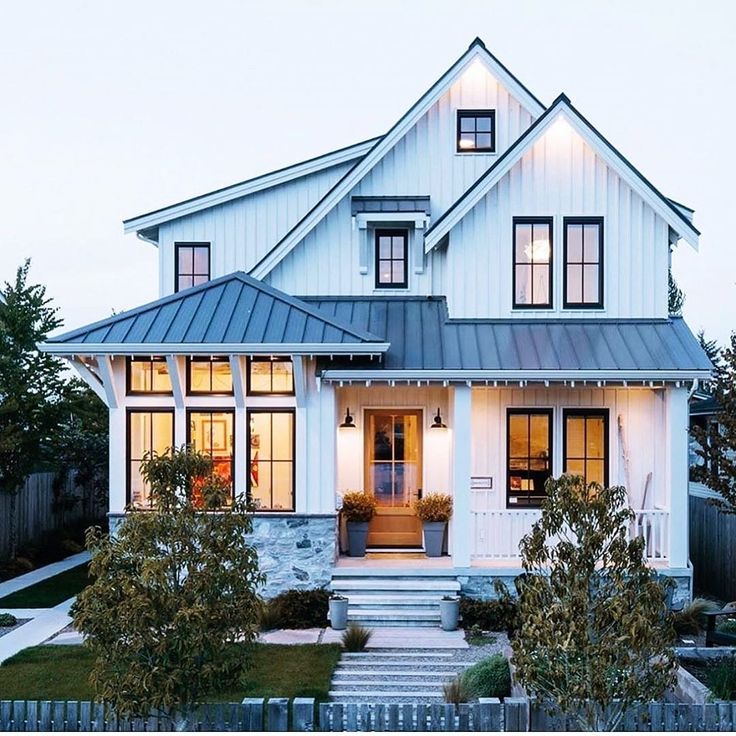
(477, 41)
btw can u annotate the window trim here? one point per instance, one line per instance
(589, 412)
(583, 221)
(392, 232)
(211, 359)
(271, 410)
(474, 113)
(216, 410)
(533, 221)
(142, 359)
(269, 359)
(190, 244)
(515, 411)
(128, 459)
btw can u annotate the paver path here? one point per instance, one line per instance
(43, 573)
(46, 623)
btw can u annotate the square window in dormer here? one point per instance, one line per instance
(476, 131)
(192, 265)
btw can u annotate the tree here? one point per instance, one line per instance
(594, 633)
(675, 296)
(710, 347)
(174, 603)
(717, 440)
(31, 386)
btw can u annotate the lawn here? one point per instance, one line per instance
(62, 673)
(49, 592)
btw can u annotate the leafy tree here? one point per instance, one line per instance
(174, 602)
(717, 441)
(31, 386)
(594, 630)
(675, 296)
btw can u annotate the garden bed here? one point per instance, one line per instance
(715, 673)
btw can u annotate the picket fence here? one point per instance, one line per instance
(277, 714)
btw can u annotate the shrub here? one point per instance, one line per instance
(358, 506)
(268, 617)
(455, 691)
(356, 638)
(493, 615)
(7, 619)
(722, 679)
(434, 507)
(299, 609)
(489, 678)
(690, 619)
(728, 626)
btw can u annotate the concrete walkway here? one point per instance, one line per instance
(384, 637)
(43, 573)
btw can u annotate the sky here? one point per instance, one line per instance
(112, 109)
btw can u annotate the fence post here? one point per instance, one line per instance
(45, 720)
(278, 714)
(516, 714)
(253, 720)
(490, 714)
(303, 710)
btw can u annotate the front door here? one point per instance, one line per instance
(393, 469)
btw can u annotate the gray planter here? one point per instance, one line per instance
(339, 613)
(357, 538)
(449, 614)
(434, 536)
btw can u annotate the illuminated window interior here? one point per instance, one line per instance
(270, 376)
(148, 431)
(476, 131)
(210, 376)
(586, 451)
(271, 460)
(532, 262)
(529, 448)
(211, 432)
(148, 375)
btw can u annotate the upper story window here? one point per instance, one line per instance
(532, 275)
(192, 264)
(209, 376)
(392, 259)
(586, 444)
(272, 376)
(528, 455)
(148, 376)
(583, 262)
(476, 131)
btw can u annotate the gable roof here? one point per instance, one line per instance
(233, 314)
(476, 51)
(249, 186)
(671, 212)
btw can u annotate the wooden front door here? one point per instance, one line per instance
(393, 473)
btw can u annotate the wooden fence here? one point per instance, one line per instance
(302, 714)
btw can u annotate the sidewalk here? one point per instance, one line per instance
(43, 573)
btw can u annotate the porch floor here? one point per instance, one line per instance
(394, 560)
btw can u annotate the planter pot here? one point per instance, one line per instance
(339, 613)
(357, 538)
(449, 614)
(434, 535)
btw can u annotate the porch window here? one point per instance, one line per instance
(192, 264)
(476, 131)
(583, 263)
(148, 431)
(148, 376)
(213, 433)
(529, 452)
(392, 258)
(532, 275)
(271, 459)
(273, 376)
(586, 444)
(209, 376)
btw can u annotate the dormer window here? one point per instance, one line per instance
(192, 264)
(392, 259)
(476, 131)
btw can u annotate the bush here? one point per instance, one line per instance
(493, 615)
(7, 619)
(489, 678)
(299, 609)
(728, 626)
(722, 679)
(434, 507)
(358, 506)
(356, 638)
(690, 619)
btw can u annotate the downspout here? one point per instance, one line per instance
(693, 388)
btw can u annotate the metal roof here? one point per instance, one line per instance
(423, 338)
(419, 203)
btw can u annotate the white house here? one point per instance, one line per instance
(490, 261)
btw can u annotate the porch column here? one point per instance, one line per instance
(676, 407)
(461, 459)
(117, 461)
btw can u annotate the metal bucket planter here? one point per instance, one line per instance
(357, 538)
(339, 613)
(449, 613)
(434, 536)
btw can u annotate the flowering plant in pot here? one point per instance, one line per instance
(434, 510)
(358, 508)
(338, 612)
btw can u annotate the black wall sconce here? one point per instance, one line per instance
(348, 422)
(438, 423)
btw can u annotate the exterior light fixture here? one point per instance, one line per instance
(348, 422)
(438, 423)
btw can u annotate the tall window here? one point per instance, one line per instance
(529, 455)
(271, 459)
(209, 376)
(391, 259)
(213, 433)
(148, 376)
(583, 262)
(586, 444)
(192, 264)
(532, 275)
(272, 376)
(148, 431)
(476, 131)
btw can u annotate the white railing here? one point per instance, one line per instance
(497, 532)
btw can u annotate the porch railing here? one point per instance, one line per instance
(497, 532)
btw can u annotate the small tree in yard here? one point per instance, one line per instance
(174, 603)
(594, 631)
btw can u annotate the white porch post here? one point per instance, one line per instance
(676, 406)
(117, 461)
(461, 463)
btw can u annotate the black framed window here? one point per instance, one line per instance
(147, 376)
(192, 264)
(585, 444)
(212, 432)
(270, 376)
(476, 131)
(271, 449)
(528, 455)
(583, 254)
(211, 376)
(532, 275)
(392, 259)
(147, 431)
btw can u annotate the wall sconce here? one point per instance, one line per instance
(438, 423)
(348, 422)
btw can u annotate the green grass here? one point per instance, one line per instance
(62, 673)
(49, 592)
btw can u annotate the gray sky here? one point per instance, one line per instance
(111, 109)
